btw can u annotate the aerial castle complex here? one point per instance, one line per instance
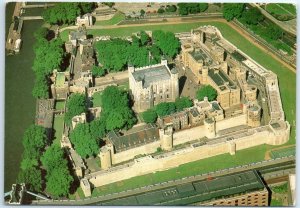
(248, 110)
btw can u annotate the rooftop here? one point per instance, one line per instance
(152, 74)
(136, 137)
(200, 191)
(60, 79)
(220, 78)
(199, 55)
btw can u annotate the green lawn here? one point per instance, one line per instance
(201, 166)
(59, 105)
(118, 17)
(97, 100)
(58, 127)
(281, 189)
(276, 203)
(124, 86)
(287, 78)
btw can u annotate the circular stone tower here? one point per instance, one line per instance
(253, 116)
(166, 138)
(210, 127)
(105, 158)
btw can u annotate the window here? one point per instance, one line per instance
(167, 96)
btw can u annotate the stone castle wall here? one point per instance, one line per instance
(175, 158)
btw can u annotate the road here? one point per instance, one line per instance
(264, 165)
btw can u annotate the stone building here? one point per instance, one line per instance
(60, 87)
(152, 85)
(193, 116)
(85, 20)
(207, 61)
(239, 189)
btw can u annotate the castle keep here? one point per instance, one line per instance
(152, 85)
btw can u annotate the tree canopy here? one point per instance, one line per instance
(34, 140)
(48, 56)
(98, 71)
(58, 177)
(171, 8)
(58, 182)
(66, 12)
(145, 39)
(115, 54)
(183, 102)
(252, 16)
(53, 157)
(76, 105)
(206, 91)
(116, 109)
(149, 116)
(40, 89)
(84, 144)
(32, 177)
(191, 8)
(233, 10)
(163, 109)
(167, 42)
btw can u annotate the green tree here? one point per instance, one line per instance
(115, 105)
(149, 116)
(98, 128)
(27, 163)
(84, 144)
(62, 13)
(53, 157)
(48, 56)
(86, 7)
(183, 102)
(98, 71)
(110, 4)
(142, 12)
(34, 140)
(167, 42)
(58, 182)
(145, 39)
(274, 32)
(76, 105)
(163, 109)
(252, 16)
(160, 10)
(41, 33)
(203, 6)
(40, 88)
(183, 9)
(171, 8)
(135, 41)
(32, 177)
(233, 10)
(113, 53)
(206, 91)
(155, 54)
